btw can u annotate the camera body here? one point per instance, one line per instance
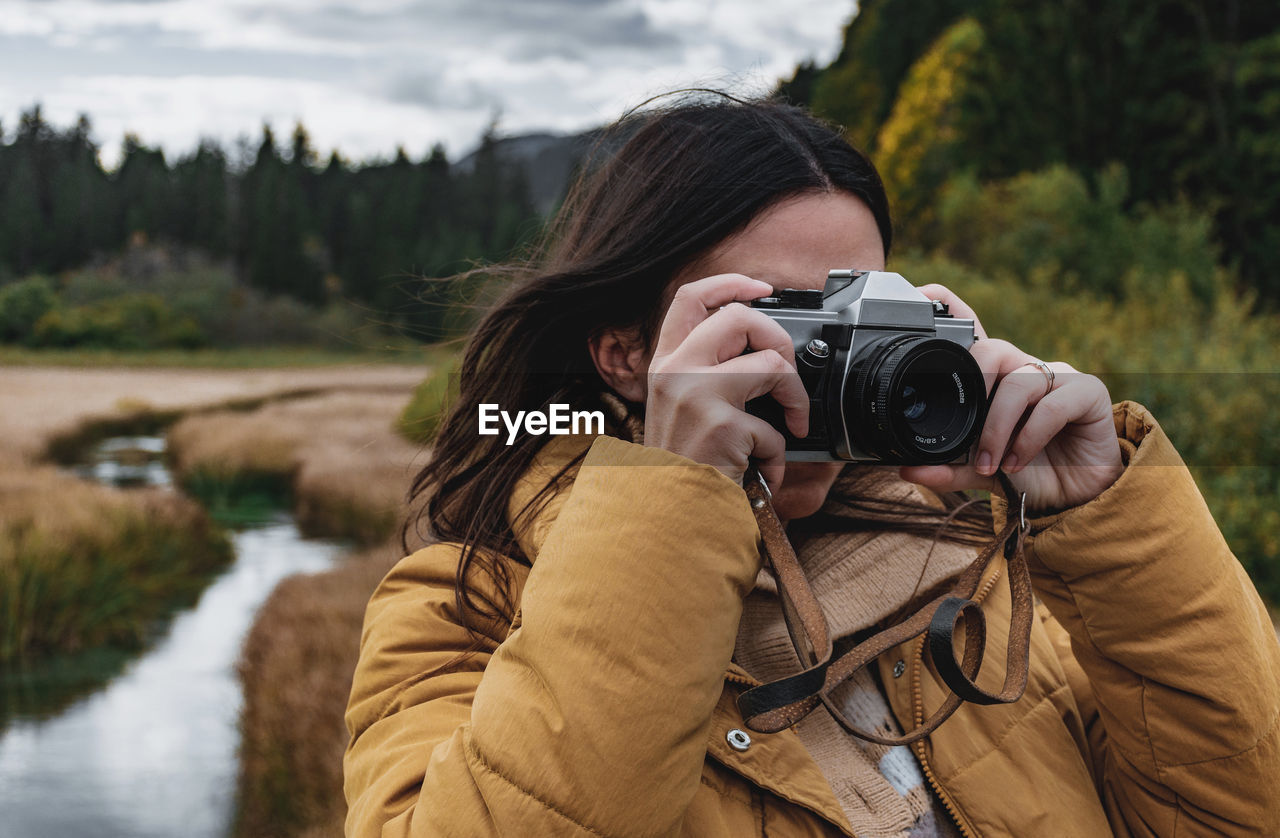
(888, 372)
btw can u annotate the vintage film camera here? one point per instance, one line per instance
(888, 372)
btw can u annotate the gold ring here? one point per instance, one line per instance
(1048, 376)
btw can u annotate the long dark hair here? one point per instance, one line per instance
(674, 181)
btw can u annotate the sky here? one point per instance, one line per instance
(366, 76)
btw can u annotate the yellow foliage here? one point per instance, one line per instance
(913, 148)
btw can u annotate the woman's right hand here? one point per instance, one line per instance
(700, 380)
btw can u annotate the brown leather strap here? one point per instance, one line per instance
(800, 606)
(779, 704)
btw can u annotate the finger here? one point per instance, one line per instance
(947, 478)
(732, 330)
(693, 301)
(747, 377)
(997, 359)
(957, 306)
(1081, 397)
(1046, 421)
(1016, 394)
(769, 450)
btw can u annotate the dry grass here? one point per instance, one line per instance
(296, 668)
(348, 467)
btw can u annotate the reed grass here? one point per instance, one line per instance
(296, 668)
(83, 566)
(95, 571)
(347, 469)
(242, 499)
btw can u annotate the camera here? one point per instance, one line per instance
(888, 372)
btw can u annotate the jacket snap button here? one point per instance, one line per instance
(899, 668)
(738, 739)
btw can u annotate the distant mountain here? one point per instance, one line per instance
(547, 160)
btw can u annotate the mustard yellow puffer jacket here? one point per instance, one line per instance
(603, 709)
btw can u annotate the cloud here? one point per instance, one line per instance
(175, 112)
(366, 75)
(432, 90)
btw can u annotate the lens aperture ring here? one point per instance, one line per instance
(919, 399)
(885, 386)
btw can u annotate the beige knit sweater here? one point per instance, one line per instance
(859, 579)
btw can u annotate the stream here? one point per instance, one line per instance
(153, 751)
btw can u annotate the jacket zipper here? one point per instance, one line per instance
(991, 583)
(917, 710)
(917, 715)
(744, 680)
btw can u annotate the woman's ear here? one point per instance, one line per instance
(622, 361)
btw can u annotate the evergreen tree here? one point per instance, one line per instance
(23, 229)
(142, 190)
(1161, 86)
(274, 225)
(1180, 93)
(201, 214)
(290, 228)
(80, 200)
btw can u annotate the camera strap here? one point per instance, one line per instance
(780, 704)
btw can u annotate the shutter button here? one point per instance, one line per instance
(899, 668)
(738, 739)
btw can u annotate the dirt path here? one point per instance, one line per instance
(38, 404)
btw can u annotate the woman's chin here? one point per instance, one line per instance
(804, 489)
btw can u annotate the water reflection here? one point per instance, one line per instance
(127, 461)
(43, 689)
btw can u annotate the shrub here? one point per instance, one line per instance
(1135, 296)
(1086, 238)
(132, 321)
(22, 304)
(207, 299)
(421, 417)
(1208, 371)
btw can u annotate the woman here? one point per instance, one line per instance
(566, 658)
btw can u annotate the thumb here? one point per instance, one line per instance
(946, 478)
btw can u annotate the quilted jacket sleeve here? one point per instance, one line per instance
(592, 716)
(1181, 658)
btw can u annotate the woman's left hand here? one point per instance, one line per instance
(1056, 444)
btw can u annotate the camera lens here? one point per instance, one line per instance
(914, 406)
(915, 400)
